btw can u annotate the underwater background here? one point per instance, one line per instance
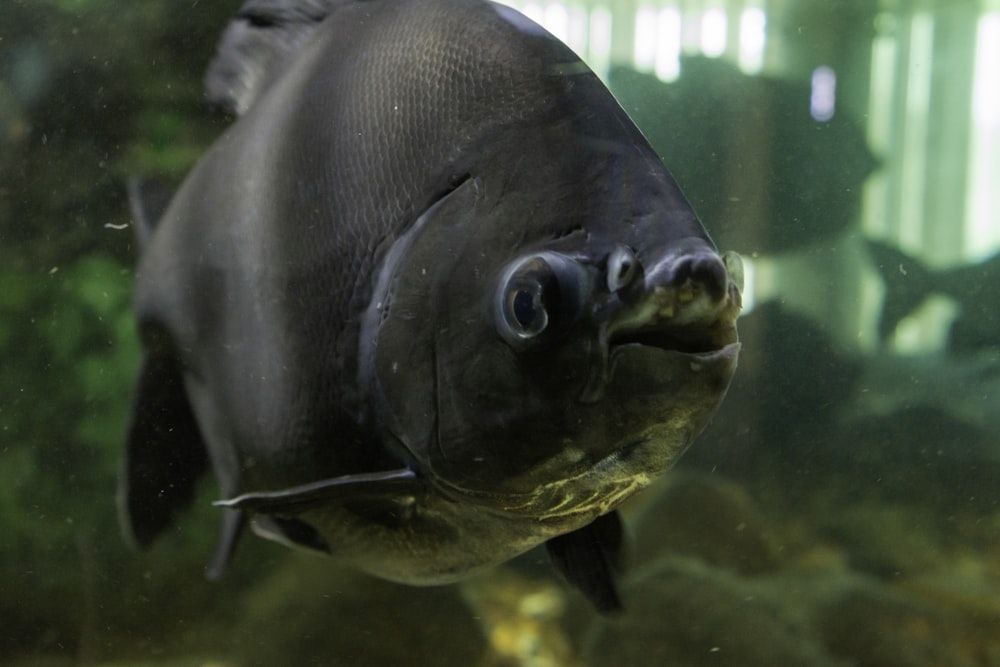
(843, 508)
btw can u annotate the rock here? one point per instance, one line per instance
(887, 540)
(312, 612)
(879, 626)
(522, 615)
(707, 517)
(684, 613)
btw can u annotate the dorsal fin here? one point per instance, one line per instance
(257, 44)
(148, 198)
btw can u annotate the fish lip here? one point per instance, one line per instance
(720, 358)
(671, 340)
(700, 344)
(691, 350)
(683, 318)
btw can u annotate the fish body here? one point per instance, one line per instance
(430, 301)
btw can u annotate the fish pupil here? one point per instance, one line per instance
(525, 310)
(540, 292)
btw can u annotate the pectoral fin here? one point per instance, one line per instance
(590, 559)
(296, 499)
(233, 522)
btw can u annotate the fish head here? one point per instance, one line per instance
(546, 352)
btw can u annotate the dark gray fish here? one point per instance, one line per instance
(763, 174)
(972, 287)
(431, 301)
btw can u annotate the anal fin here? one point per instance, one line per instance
(590, 559)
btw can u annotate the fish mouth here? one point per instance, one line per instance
(681, 342)
(670, 323)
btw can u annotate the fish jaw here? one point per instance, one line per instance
(664, 397)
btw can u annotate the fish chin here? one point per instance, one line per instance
(664, 398)
(664, 394)
(654, 405)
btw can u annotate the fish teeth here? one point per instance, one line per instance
(687, 293)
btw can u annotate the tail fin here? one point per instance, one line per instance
(907, 283)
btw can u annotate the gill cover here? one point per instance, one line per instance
(396, 359)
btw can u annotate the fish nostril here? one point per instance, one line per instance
(706, 271)
(714, 276)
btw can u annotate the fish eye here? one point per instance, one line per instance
(527, 310)
(537, 294)
(622, 268)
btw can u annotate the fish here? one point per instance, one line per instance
(753, 164)
(429, 302)
(909, 282)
